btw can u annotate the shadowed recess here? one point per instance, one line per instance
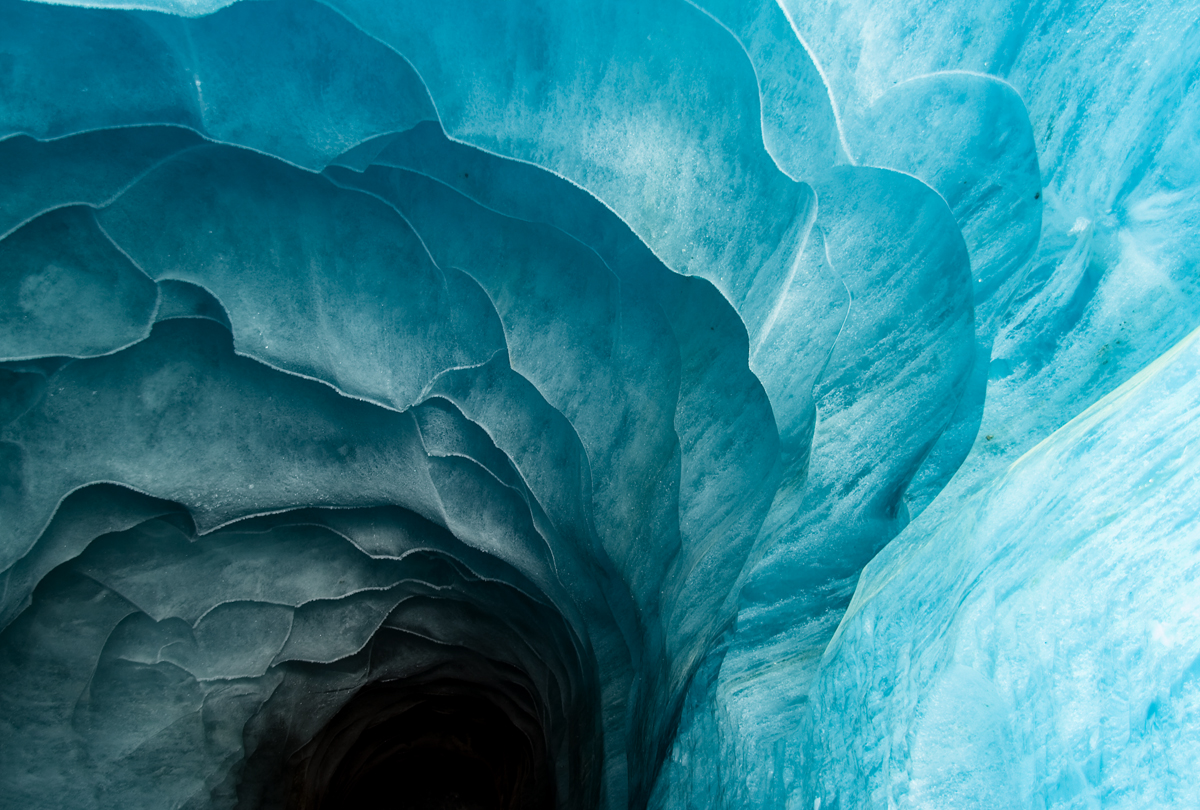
(599, 404)
(429, 744)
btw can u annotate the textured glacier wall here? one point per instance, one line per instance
(1098, 101)
(1035, 645)
(528, 384)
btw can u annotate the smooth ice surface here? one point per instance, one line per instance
(1051, 654)
(770, 405)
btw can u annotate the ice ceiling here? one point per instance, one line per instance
(552, 403)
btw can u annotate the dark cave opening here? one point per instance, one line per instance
(441, 745)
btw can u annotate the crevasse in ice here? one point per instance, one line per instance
(599, 404)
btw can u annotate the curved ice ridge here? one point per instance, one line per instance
(738, 403)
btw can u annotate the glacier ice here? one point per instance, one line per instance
(1047, 654)
(671, 404)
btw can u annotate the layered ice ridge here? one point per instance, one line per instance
(541, 377)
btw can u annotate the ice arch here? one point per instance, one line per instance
(504, 404)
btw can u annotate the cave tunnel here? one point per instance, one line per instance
(598, 405)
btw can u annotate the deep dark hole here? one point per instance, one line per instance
(430, 780)
(443, 754)
(428, 747)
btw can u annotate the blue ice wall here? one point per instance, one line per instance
(752, 404)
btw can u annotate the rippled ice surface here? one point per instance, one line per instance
(599, 404)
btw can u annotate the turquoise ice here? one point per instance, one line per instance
(546, 403)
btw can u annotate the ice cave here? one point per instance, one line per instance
(600, 404)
